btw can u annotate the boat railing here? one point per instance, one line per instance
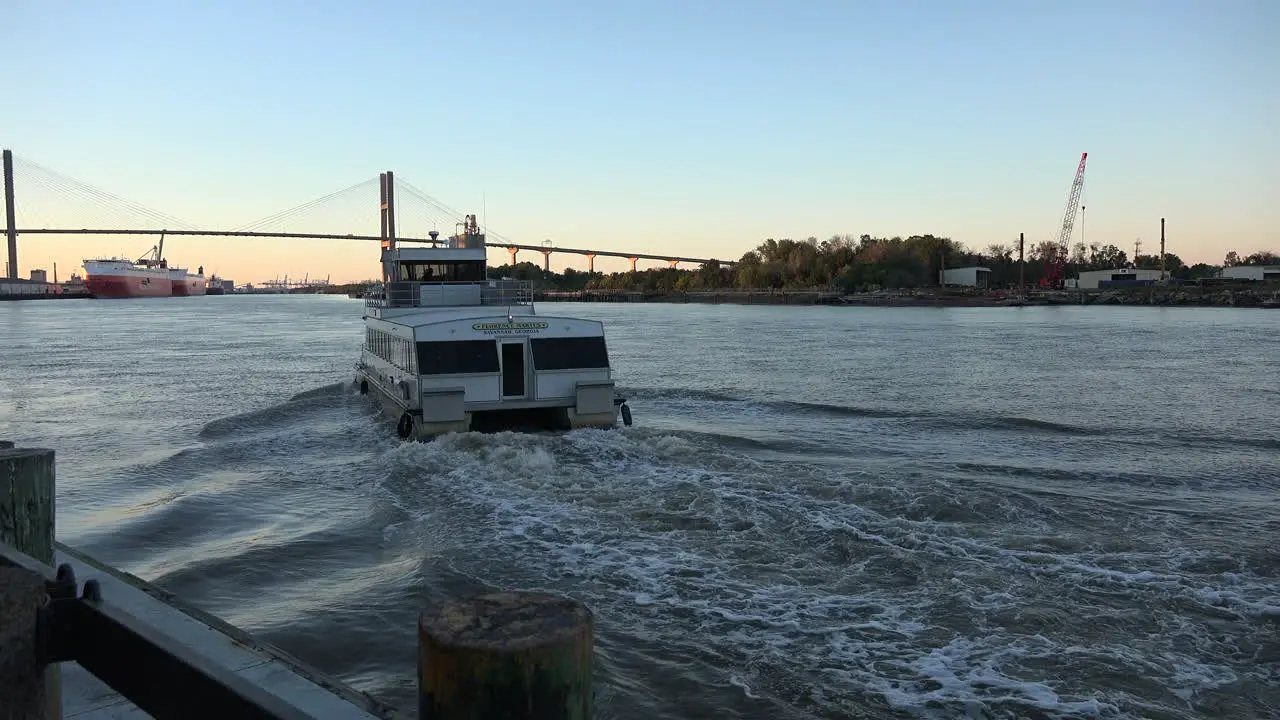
(406, 294)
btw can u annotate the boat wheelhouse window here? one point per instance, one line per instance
(575, 353)
(452, 357)
(442, 271)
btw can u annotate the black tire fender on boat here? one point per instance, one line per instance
(404, 428)
(626, 414)
(364, 387)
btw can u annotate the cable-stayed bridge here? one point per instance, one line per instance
(42, 201)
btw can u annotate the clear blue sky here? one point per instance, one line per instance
(693, 126)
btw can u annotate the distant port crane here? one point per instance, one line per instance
(1057, 261)
(305, 282)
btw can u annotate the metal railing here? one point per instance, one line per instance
(51, 618)
(501, 667)
(157, 673)
(451, 294)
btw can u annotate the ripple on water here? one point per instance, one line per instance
(967, 527)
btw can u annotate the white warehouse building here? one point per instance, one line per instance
(1252, 272)
(979, 277)
(1093, 279)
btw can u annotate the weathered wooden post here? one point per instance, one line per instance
(506, 655)
(26, 500)
(26, 523)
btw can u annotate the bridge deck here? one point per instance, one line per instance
(325, 236)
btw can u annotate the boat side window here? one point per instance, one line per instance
(573, 353)
(395, 350)
(452, 357)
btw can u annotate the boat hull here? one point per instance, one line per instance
(186, 284)
(519, 417)
(127, 286)
(189, 287)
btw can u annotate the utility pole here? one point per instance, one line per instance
(1162, 249)
(1137, 248)
(1022, 265)
(10, 221)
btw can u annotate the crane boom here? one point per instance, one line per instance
(1054, 275)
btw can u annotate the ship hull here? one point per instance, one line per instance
(185, 284)
(189, 287)
(126, 286)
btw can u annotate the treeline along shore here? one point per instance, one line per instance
(847, 270)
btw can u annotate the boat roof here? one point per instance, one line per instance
(443, 314)
(437, 317)
(401, 254)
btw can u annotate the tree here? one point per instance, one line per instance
(1197, 272)
(1261, 258)
(1106, 257)
(1152, 262)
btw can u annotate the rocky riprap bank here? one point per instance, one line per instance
(1237, 296)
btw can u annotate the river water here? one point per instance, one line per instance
(819, 512)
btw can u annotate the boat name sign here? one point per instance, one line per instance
(509, 328)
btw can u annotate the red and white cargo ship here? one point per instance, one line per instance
(148, 276)
(185, 283)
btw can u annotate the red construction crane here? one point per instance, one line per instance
(1062, 250)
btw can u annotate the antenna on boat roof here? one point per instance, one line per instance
(484, 211)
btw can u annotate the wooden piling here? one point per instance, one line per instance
(26, 501)
(27, 524)
(506, 655)
(23, 688)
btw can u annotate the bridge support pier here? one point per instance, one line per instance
(673, 263)
(633, 263)
(591, 262)
(513, 252)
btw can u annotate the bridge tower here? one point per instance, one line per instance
(10, 221)
(387, 189)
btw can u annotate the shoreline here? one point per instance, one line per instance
(1173, 296)
(1263, 296)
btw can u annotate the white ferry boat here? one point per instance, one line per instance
(449, 350)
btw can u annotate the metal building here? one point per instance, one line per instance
(1120, 277)
(1252, 272)
(979, 277)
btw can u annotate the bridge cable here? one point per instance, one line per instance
(88, 191)
(304, 206)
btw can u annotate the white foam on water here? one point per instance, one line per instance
(819, 586)
(968, 674)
